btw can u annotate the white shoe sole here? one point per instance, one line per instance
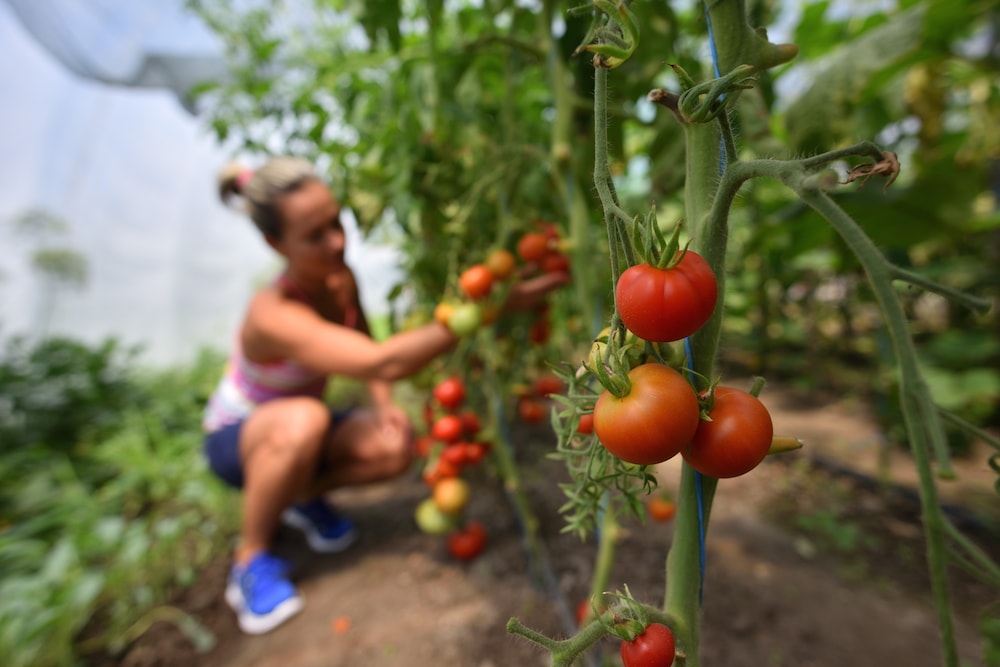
(254, 624)
(316, 541)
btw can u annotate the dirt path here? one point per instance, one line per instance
(772, 597)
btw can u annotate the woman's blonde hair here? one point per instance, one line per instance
(261, 190)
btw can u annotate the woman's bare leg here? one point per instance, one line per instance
(280, 446)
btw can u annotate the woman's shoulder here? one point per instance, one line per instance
(272, 311)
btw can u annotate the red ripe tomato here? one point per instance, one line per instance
(532, 246)
(585, 611)
(546, 384)
(449, 392)
(530, 410)
(476, 281)
(736, 440)
(554, 262)
(541, 329)
(654, 421)
(454, 453)
(470, 423)
(475, 452)
(586, 424)
(469, 542)
(447, 428)
(501, 263)
(663, 305)
(550, 229)
(655, 647)
(440, 470)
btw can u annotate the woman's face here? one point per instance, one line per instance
(313, 239)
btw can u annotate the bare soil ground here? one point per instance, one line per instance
(810, 561)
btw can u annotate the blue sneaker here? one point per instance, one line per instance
(261, 594)
(326, 531)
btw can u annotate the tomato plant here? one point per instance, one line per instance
(450, 393)
(655, 647)
(469, 542)
(668, 304)
(476, 281)
(735, 440)
(653, 420)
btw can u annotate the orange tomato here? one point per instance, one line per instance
(501, 263)
(661, 508)
(442, 312)
(476, 281)
(451, 495)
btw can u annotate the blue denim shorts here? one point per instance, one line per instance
(222, 449)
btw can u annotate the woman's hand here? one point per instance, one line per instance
(526, 294)
(394, 422)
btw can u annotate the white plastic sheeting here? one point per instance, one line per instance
(151, 44)
(132, 175)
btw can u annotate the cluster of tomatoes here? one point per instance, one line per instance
(448, 448)
(724, 432)
(540, 251)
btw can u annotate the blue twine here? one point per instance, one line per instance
(700, 499)
(718, 74)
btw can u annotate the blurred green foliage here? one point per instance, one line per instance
(106, 506)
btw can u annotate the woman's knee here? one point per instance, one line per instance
(288, 427)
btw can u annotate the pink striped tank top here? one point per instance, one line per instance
(245, 384)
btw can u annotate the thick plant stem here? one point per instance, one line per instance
(503, 458)
(606, 546)
(919, 413)
(707, 146)
(683, 586)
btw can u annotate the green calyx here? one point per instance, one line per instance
(650, 244)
